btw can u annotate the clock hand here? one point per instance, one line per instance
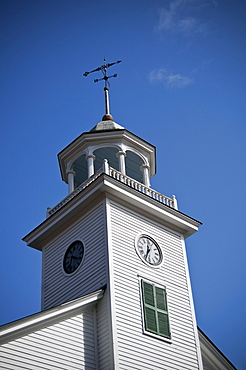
(148, 250)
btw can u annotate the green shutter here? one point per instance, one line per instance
(148, 294)
(161, 299)
(163, 324)
(155, 310)
(150, 319)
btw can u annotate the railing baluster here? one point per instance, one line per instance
(172, 202)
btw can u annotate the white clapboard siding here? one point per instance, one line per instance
(69, 344)
(103, 334)
(135, 349)
(57, 286)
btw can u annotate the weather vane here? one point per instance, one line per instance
(104, 68)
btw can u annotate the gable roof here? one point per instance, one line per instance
(212, 357)
(34, 322)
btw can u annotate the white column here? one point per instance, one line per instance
(105, 166)
(145, 169)
(90, 164)
(70, 177)
(122, 165)
(175, 203)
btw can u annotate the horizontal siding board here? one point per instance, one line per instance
(68, 344)
(39, 347)
(94, 282)
(27, 355)
(132, 342)
(94, 238)
(27, 363)
(66, 294)
(173, 356)
(12, 364)
(187, 346)
(41, 342)
(91, 275)
(173, 361)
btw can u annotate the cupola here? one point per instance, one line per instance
(125, 152)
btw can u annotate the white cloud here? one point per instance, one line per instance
(187, 24)
(182, 17)
(169, 80)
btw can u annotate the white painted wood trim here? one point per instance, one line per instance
(186, 224)
(42, 279)
(111, 288)
(21, 327)
(199, 354)
(95, 338)
(179, 221)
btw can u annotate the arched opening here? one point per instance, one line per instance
(81, 171)
(133, 164)
(106, 153)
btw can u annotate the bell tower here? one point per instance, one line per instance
(113, 231)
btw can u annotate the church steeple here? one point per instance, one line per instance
(114, 230)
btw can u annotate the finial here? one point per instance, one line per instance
(103, 68)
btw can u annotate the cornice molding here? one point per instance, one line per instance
(105, 186)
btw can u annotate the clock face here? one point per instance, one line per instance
(73, 257)
(148, 250)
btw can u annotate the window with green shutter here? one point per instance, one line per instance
(155, 309)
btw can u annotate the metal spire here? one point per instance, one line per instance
(104, 68)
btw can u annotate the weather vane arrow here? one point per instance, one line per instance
(104, 68)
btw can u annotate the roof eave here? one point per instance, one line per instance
(104, 186)
(34, 322)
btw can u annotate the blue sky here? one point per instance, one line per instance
(180, 86)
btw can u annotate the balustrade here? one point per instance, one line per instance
(171, 202)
